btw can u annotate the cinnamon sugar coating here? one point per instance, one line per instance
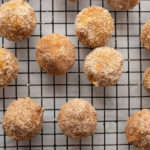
(137, 129)
(145, 36)
(146, 79)
(23, 119)
(9, 67)
(94, 26)
(55, 54)
(122, 4)
(103, 66)
(77, 119)
(17, 20)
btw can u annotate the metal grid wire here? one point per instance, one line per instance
(113, 104)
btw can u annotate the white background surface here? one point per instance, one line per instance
(113, 104)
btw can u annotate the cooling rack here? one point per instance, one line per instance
(113, 104)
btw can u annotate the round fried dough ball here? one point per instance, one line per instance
(17, 20)
(103, 66)
(146, 80)
(145, 36)
(94, 26)
(138, 129)
(77, 119)
(55, 54)
(122, 4)
(8, 67)
(23, 119)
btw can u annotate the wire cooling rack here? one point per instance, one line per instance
(113, 104)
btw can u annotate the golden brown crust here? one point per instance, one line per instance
(137, 129)
(77, 119)
(23, 119)
(8, 67)
(146, 80)
(122, 4)
(17, 20)
(103, 66)
(94, 26)
(145, 36)
(55, 54)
